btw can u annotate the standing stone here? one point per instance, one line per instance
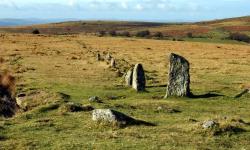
(139, 81)
(129, 77)
(98, 57)
(112, 63)
(179, 78)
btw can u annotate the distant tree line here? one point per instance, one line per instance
(139, 34)
(239, 37)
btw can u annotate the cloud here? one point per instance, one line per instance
(139, 7)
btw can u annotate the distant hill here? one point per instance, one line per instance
(25, 22)
(214, 29)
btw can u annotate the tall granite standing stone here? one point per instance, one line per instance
(139, 81)
(112, 63)
(179, 78)
(129, 77)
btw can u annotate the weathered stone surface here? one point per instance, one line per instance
(108, 115)
(108, 57)
(179, 78)
(112, 116)
(112, 63)
(129, 77)
(139, 81)
(209, 124)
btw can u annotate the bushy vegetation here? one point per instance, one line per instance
(145, 33)
(239, 37)
(190, 35)
(125, 33)
(101, 33)
(112, 33)
(35, 31)
(158, 35)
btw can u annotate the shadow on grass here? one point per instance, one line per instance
(155, 86)
(136, 122)
(126, 120)
(207, 95)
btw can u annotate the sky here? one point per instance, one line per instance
(131, 10)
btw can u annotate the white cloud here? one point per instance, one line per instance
(139, 7)
(124, 5)
(72, 3)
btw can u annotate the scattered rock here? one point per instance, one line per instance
(139, 81)
(95, 99)
(179, 78)
(112, 116)
(129, 77)
(209, 124)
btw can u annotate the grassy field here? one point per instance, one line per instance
(46, 65)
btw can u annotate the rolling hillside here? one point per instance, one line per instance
(210, 29)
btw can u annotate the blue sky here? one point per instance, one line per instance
(141, 10)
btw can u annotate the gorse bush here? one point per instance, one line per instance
(145, 33)
(190, 35)
(158, 35)
(125, 33)
(35, 31)
(102, 33)
(239, 37)
(112, 33)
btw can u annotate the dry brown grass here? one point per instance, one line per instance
(7, 84)
(219, 68)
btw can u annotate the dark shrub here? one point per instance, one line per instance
(35, 31)
(190, 35)
(125, 33)
(145, 33)
(158, 35)
(112, 33)
(239, 37)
